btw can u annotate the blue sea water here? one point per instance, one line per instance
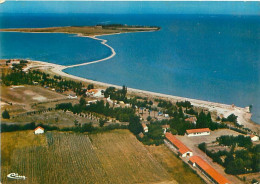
(208, 57)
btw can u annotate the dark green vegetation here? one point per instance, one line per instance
(185, 104)
(5, 114)
(204, 120)
(155, 134)
(18, 77)
(119, 95)
(231, 118)
(242, 158)
(241, 141)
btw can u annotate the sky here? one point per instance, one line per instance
(132, 7)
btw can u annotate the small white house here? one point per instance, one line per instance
(166, 115)
(254, 138)
(198, 132)
(72, 96)
(145, 128)
(39, 130)
(95, 93)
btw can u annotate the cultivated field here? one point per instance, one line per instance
(13, 141)
(114, 157)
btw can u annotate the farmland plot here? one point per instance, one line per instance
(126, 160)
(115, 157)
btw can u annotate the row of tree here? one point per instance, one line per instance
(240, 140)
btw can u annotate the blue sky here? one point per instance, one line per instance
(130, 7)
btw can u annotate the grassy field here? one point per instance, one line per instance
(86, 30)
(113, 157)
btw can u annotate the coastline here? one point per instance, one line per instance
(244, 116)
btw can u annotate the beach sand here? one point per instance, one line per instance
(244, 116)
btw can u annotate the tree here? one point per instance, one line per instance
(82, 102)
(5, 114)
(254, 181)
(102, 122)
(155, 132)
(236, 167)
(134, 125)
(87, 127)
(76, 122)
(90, 86)
(149, 118)
(230, 118)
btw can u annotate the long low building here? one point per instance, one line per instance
(208, 171)
(183, 150)
(198, 132)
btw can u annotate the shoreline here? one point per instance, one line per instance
(244, 116)
(103, 42)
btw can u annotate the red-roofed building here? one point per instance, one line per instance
(183, 150)
(208, 171)
(198, 132)
(39, 130)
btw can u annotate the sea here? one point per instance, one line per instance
(208, 57)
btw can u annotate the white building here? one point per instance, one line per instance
(39, 130)
(72, 96)
(145, 128)
(166, 115)
(254, 138)
(198, 132)
(95, 93)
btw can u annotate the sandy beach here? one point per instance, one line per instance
(244, 116)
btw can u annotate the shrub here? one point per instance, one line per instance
(5, 114)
